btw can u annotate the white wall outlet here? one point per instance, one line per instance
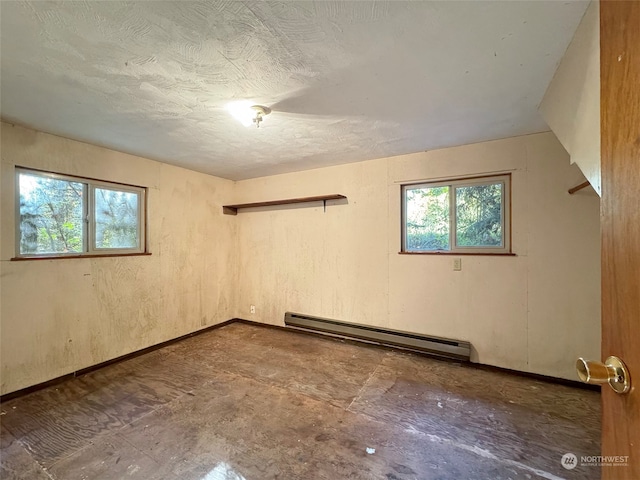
(253, 309)
(457, 264)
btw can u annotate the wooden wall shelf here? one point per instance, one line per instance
(233, 209)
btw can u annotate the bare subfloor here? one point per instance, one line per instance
(249, 402)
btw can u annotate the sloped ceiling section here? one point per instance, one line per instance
(347, 81)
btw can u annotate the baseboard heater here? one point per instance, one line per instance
(442, 347)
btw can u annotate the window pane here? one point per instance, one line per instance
(50, 215)
(479, 216)
(427, 218)
(117, 220)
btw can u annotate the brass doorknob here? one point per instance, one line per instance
(612, 371)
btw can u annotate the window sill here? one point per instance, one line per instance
(457, 254)
(66, 257)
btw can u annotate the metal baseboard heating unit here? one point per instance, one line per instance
(442, 347)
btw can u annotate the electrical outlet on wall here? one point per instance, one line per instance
(253, 309)
(457, 264)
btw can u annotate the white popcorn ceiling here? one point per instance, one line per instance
(347, 81)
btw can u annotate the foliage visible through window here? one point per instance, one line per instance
(116, 219)
(60, 215)
(469, 215)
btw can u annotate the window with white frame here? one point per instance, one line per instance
(468, 215)
(60, 215)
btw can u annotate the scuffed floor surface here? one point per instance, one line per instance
(249, 402)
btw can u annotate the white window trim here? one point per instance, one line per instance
(88, 240)
(504, 179)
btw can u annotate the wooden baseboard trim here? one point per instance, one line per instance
(24, 391)
(533, 376)
(78, 373)
(540, 377)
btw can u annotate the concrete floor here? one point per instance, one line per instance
(250, 402)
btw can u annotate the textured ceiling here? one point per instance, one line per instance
(347, 80)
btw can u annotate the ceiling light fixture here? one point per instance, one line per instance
(259, 112)
(248, 114)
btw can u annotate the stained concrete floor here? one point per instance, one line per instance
(250, 402)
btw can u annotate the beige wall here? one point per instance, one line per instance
(571, 105)
(534, 312)
(58, 316)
